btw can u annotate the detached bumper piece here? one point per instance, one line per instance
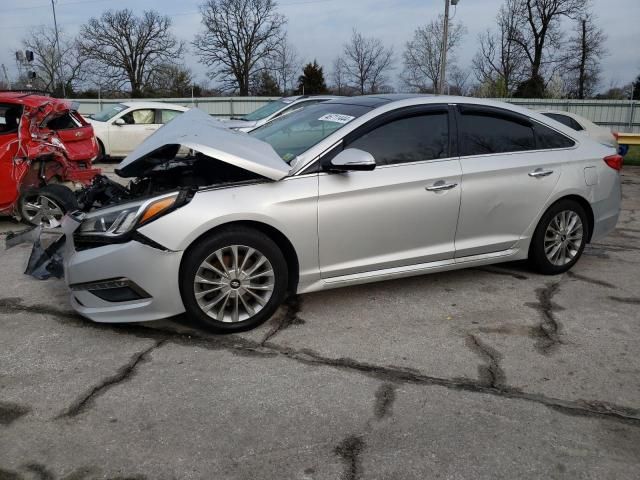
(113, 290)
(44, 262)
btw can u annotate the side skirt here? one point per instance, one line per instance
(414, 270)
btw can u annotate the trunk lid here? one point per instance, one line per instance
(198, 131)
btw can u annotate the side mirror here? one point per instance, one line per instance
(119, 122)
(352, 159)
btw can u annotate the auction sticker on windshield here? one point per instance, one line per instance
(336, 118)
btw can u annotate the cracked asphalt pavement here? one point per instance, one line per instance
(474, 374)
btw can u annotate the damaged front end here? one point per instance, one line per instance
(162, 181)
(47, 254)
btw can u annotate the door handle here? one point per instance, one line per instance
(439, 187)
(538, 173)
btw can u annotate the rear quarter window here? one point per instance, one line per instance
(547, 138)
(565, 120)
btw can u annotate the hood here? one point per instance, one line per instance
(198, 131)
(237, 123)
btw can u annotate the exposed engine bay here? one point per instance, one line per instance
(189, 153)
(190, 172)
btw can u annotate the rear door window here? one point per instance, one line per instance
(410, 139)
(486, 132)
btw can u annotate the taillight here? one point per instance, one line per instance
(614, 161)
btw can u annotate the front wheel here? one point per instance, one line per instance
(46, 205)
(560, 238)
(233, 280)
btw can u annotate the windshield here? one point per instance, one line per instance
(264, 111)
(296, 133)
(109, 112)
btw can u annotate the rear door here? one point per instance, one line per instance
(402, 213)
(76, 135)
(508, 173)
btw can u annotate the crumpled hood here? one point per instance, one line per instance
(198, 131)
(236, 124)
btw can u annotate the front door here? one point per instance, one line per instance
(402, 213)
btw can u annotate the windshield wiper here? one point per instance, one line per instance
(239, 118)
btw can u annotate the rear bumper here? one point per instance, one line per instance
(607, 211)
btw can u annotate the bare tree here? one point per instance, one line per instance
(366, 62)
(53, 69)
(338, 76)
(124, 49)
(284, 66)
(239, 37)
(171, 80)
(458, 81)
(538, 31)
(423, 54)
(500, 62)
(583, 54)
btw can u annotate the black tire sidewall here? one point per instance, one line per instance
(195, 255)
(62, 195)
(537, 256)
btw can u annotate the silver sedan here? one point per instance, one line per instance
(341, 193)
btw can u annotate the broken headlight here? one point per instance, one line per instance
(119, 220)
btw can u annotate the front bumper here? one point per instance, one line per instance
(154, 270)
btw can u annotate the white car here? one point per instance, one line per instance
(272, 110)
(582, 125)
(120, 128)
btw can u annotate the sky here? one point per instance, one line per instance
(319, 28)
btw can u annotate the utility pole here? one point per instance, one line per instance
(445, 44)
(55, 23)
(6, 77)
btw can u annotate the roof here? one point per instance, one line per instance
(296, 98)
(374, 101)
(141, 104)
(29, 99)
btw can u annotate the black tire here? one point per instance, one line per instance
(101, 155)
(537, 257)
(206, 247)
(58, 195)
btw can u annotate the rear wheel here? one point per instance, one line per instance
(560, 238)
(47, 205)
(233, 280)
(101, 152)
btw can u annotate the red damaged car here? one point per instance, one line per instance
(44, 142)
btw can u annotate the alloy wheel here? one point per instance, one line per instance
(234, 283)
(42, 210)
(563, 238)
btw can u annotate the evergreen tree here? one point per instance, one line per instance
(312, 82)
